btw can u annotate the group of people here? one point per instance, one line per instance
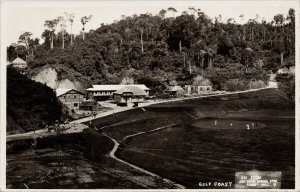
(253, 124)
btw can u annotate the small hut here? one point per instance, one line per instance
(19, 63)
(200, 85)
(175, 90)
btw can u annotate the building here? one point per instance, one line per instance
(175, 90)
(70, 97)
(104, 92)
(286, 70)
(89, 105)
(19, 63)
(129, 94)
(198, 89)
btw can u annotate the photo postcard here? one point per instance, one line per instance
(149, 95)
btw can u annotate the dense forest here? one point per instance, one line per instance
(159, 51)
(30, 105)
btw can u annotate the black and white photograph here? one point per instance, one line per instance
(149, 95)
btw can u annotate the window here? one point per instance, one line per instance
(207, 88)
(74, 96)
(75, 104)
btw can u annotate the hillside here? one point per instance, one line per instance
(30, 105)
(159, 51)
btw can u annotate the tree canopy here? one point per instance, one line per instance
(156, 49)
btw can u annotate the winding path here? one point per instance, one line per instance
(116, 146)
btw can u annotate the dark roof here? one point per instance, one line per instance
(62, 91)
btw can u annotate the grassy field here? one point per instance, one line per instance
(191, 154)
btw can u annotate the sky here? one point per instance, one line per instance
(30, 16)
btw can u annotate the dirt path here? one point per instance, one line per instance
(153, 130)
(130, 121)
(116, 146)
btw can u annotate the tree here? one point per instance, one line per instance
(33, 43)
(168, 47)
(193, 10)
(160, 51)
(141, 25)
(264, 22)
(291, 16)
(127, 81)
(251, 23)
(248, 55)
(287, 84)
(51, 25)
(162, 13)
(84, 20)
(11, 52)
(184, 51)
(24, 38)
(244, 30)
(171, 9)
(70, 18)
(22, 52)
(63, 26)
(279, 19)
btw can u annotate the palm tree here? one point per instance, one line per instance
(84, 20)
(172, 10)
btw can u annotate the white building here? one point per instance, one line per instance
(129, 94)
(103, 92)
(198, 89)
